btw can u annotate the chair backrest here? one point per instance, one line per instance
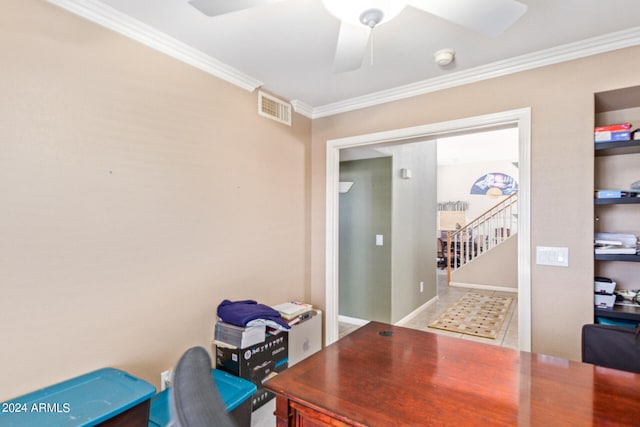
(195, 400)
(614, 347)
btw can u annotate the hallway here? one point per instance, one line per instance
(447, 295)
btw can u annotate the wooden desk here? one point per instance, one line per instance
(416, 378)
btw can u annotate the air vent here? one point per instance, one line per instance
(274, 108)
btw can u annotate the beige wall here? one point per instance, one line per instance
(137, 192)
(561, 101)
(496, 267)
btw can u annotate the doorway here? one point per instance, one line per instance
(520, 118)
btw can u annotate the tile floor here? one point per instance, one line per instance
(447, 295)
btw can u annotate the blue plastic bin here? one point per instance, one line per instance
(616, 322)
(103, 396)
(235, 392)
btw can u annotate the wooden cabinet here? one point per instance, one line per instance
(616, 166)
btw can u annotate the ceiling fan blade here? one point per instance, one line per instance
(489, 17)
(220, 7)
(351, 47)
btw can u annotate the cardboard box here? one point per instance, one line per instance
(604, 287)
(262, 395)
(257, 363)
(614, 128)
(604, 300)
(305, 338)
(610, 136)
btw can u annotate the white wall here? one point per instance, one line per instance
(455, 182)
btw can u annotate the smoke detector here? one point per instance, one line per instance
(444, 56)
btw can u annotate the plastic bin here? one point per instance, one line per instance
(106, 397)
(235, 392)
(616, 322)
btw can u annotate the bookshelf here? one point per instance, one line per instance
(616, 166)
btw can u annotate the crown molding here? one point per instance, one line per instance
(568, 52)
(108, 17)
(302, 108)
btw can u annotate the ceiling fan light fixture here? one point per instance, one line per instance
(371, 17)
(365, 12)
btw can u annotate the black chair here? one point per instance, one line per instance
(195, 400)
(616, 347)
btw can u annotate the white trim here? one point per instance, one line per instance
(353, 320)
(567, 52)
(522, 117)
(111, 18)
(417, 311)
(302, 108)
(483, 287)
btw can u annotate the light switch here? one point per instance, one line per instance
(549, 255)
(379, 239)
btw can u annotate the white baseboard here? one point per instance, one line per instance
(483, 287)
(352, 320)
(413, 314)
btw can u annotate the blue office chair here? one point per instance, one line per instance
(195, 400)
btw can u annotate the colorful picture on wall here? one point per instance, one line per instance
(494, 185)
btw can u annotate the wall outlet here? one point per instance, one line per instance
(166, 378)
(421, 287)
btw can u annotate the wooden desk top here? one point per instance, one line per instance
(416, 378)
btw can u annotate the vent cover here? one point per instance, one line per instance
(274, 108)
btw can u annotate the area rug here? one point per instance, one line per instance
(475, 314)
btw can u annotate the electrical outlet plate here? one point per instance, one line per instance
(165, 379)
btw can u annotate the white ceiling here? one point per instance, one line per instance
(288, 47)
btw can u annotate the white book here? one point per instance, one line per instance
(628, 240)
(289, 310)
(608, 242)
(615, 250)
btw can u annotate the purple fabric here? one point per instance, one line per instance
(240, 313)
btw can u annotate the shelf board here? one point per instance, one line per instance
(624, 312)
(617, 201)
(617, 147)
(617, 257)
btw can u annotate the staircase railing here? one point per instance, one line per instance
(482, 234)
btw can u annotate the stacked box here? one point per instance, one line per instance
(619, 132)
(257, 363)
(603, 288)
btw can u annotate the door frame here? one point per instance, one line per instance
(521, 118)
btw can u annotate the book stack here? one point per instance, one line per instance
(294, 312)
(238, 336)
(615, 244)
(616, 194)
(603, 289)
(610, 133)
